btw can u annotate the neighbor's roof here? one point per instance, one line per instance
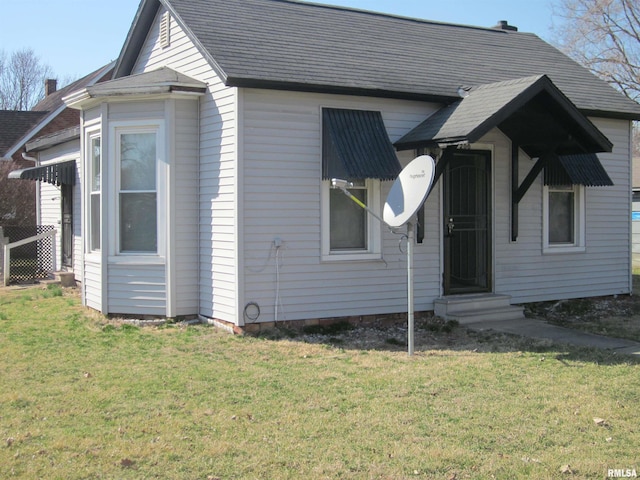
(52, 105)
(54, 101)
(13, 125)
(294, 45)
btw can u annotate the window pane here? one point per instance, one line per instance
(95, 221)
(138, 161)
(348, 221)
(138, 222)
(95, 164)
(561, 221)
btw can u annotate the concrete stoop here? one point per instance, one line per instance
(66, 279)
(479, 307)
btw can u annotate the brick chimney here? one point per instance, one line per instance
(504, 25)
(50, 86)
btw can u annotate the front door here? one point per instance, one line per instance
(67, 225)
(467, 222)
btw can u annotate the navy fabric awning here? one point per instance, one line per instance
(63, 173)
(355, 145)
(583, 169)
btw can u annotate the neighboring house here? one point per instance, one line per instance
(52, 144)
(635, 213)
(17, 202)
(207, 163)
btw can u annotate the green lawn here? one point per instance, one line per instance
(84, 398)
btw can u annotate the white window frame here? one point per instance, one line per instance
(373, 234)
(117, 130)
(579, 221)
(90, 136)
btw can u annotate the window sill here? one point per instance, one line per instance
(351, 257)
(563, 249)
(136, 260)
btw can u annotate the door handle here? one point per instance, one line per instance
(450, 227)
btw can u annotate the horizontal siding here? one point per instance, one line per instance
(136, 111)
(526, 273)
(216, 214)
(50, 201)
(282, 196)
(185, 170)
(137, 289)
(92, 284)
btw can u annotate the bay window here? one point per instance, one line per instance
(137, 191)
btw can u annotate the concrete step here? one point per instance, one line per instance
(514, 312)
(66, 279)
(479, 307)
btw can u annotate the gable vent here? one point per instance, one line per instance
(165, 23)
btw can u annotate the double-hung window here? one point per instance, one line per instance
(349, 232)
(563, 225)
(355, 148)
(137, 191)
(95, 155)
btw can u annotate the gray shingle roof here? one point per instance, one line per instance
(303, 46)
(489, 106)
(14, 124)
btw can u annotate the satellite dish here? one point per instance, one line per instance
(409, 191)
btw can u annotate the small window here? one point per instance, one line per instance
(95, 154)
(349, 232)
(165, 30)
(563, 227)
(138, 192)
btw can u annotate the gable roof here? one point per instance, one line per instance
(13, 125)
(531, 111)
(52, 105)
(287, 44)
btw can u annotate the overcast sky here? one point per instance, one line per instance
(75, 37)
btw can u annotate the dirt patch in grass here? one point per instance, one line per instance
(615, 316)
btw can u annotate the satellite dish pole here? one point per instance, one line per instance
(406, 196)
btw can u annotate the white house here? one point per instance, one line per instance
(206, 166)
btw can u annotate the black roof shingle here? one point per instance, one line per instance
(14, 124)
(295, 45)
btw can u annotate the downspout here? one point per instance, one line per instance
(36, 164)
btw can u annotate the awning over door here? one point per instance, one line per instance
(355, 145)
(531, 111)
(63, 173)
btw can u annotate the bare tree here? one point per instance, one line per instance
(22, 78)
(17, 206)
(604, 36)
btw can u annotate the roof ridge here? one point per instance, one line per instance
(396, 16)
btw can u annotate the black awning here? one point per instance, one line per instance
(584, 169)
(355, 145)
(531, 111)
(63, 173)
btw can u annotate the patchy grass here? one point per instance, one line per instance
(615, 316)
(83, 397)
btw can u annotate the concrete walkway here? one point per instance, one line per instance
(539, 329)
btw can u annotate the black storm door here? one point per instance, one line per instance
(467, 222)
(67, 225)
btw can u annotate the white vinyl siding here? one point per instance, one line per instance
(184, 201)
(259, 180)
(137, 289)
(282, 196)
(217, 233)
(50, 202)
(525, 273)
